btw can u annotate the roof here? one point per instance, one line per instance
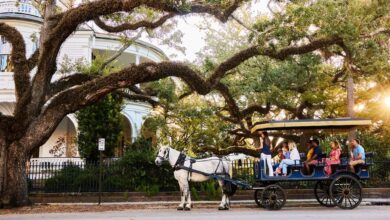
(337, 123)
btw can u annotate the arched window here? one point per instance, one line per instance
(35, 46)
(4, 53)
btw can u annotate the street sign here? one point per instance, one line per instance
(102, 144)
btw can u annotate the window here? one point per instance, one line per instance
(4, 50)
(3, 62)
(3, 40)
(34, 46)
(4, 46)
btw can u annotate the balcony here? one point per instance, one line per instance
(24, 7)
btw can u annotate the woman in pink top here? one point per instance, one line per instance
(334, 157)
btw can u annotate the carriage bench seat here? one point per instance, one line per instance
(295, 167)
(344, 166)
(367, 164)
(338, 167)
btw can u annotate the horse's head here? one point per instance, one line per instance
(162, 155)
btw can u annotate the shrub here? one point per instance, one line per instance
(135, 171)
(101, 120)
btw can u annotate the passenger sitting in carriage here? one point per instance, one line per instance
(286, 150)
(315, 157)
(334, 157)
(358, 156)
(283, 153)
(293, 160)
(310, 150)
(277, 159)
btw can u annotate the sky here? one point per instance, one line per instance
(194, 38)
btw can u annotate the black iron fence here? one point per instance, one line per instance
(79, 176)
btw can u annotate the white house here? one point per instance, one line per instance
(84, 44)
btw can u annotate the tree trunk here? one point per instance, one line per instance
(303, 139)
(13, 182)
(350, 104)
(257, 142)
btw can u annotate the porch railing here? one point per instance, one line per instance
(23, 7)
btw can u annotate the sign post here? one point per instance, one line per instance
(101, 148)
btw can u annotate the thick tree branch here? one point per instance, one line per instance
(378, 31)
(133, 26)
(185, 95)
(60, 26)
(281, 54)
(67, 82)
(92, 90)
(230, 102)
(33, 60)
(338, 75)
(17, 58)
(138, 97)
(136, 90)
(226, 118)
(256, 108)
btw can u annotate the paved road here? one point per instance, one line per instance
(363, 213)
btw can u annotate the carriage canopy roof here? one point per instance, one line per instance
(337, 123)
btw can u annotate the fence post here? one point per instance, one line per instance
(100, 175)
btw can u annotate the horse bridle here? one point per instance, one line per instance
(166, 155)
(179, 162)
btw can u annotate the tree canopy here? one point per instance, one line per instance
(307, 85)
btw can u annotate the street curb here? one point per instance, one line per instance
(235, 203)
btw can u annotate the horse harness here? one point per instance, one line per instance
(179, 165)
(228, 187)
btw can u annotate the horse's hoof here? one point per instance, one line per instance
(187, 209)
(179, 208)
(223, 208)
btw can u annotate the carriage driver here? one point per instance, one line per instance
(358, 155)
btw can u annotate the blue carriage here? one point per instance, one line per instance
(342, 188)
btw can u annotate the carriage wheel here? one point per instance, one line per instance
(346, 192)
(321, 191)
(273, 197)
(258, 201)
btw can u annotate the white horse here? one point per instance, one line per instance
(183, 166)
